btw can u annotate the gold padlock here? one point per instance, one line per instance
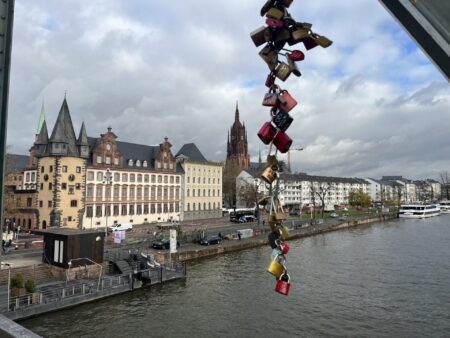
(269, 175)
(273, 222)
(282, 71)
(260, 36)
(264, 200)
(282, 35)
(275, 267)
(270, 56)
(293, 67)
(275, 13)
(323, 41)
(299, 35)
(280, 216)
(271, 161)
(284, 232)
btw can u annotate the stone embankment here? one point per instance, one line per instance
(260, 237)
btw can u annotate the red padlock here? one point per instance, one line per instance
(270, 81)
(282, 142)
(283, 284)
(296, 55)
(267, 133)
(284, 247)
(274, 23)
(310, 43)
(289, 103)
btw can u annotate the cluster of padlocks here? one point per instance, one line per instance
(280, 29)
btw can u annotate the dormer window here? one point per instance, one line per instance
(144, 164)
(138, 163)
(108, 146)
(130, 163)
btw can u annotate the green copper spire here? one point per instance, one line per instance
(41, 119)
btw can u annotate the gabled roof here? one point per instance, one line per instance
(190, 151)
(16, 162)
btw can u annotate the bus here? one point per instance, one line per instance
(243, 215)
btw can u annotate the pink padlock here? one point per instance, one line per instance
(267, 133)
(284, 247)
(282, 142)
(283, 284)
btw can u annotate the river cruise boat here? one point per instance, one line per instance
(445, 207)
(419, 210)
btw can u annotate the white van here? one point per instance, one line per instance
(121, 226)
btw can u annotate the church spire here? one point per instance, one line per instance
(236, 114)
(41, 119)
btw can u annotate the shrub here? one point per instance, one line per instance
(30, 286)
(17, 281)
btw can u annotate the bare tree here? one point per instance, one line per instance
(229, 188)
(249, 194)
(312, 192)
(322, 192)
(445, 182)
(398, 192)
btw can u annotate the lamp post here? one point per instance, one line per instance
(256, 183)
(107, 180)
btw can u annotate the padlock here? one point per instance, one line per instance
(280, 216)
(296, 55)
(270, 80)
(282, 141)
(290, 102)
(269, 175)
(284, 248)
(322, 41)
(310, 43)
(282, 120)
(298, 35)
(293, 67)
(281, 35)
(270, 56)
(268, 5)
(282, 71)
(284, 233)
(261, 35)
(283, 284)
(267, 133)
(271, 98)
(275, 251)
(275, 13)
(274, 23)
(273, 223)
(276, 266)
(274, 239)
(263, 201)
(286, 3)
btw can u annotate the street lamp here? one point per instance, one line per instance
(256, 183)
(107, 180)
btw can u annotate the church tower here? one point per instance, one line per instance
(237, 147)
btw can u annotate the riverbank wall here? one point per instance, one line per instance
(260, 237)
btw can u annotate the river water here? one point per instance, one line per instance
(383, 280)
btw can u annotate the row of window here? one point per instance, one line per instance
(215, 171)
(64, 169)
(205, 206)
(121, 191)
(188, 193)
(71, 188)
(146, 178)
(199, 180)
(73, 204)
(139, 209)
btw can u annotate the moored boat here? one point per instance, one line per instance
(445, 207)
(419, 210)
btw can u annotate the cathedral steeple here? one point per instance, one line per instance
(236, 114)
(237, 147)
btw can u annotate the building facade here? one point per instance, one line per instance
(202, 184)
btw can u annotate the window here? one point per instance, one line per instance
(153, 179)
(170, 165)
(78, 186)
(193, 179)
(188, 207)
(130, 163)
(89, 212)
(63, 186)
(74, 203)
(152, 208)
(166, 179)
(145, 209)
(177, 193)
(124, 177)
(165, 193)
(187, 193)
(177, 207)
(132, 194)
(116, 191)
(33, 177)
(159, 179)
(188, 179)
(108, 160)
(193, 192)
(139, 178)
(50, 186)
(138, 163)
(139, 193)
(193, 206)
(90, 191)
(107, 210)
(139, 209)
(108, 146)
(116, 161)
(159, 192)
(170, 207)
(99, 176)
(158, 209)
(29, 202)
(71, 190)
(144, 164)
(50, 169)
(146, 178)
(98, 211)
(153, 193)
(124, 210)
(42, 169)
(166, 209)
(132, 177)
(49, 204)
(124, 193)
(116, 210)
(99, 159)
(116, 177)
(58, 251)
(41, 204)
(42, 186)
(78, 169)
(90, 176)
(99, 191)
(158, 164)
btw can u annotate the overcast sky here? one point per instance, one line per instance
(370, 105)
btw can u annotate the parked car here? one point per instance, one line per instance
(212, 239)
(334, 215)
(120, 227)
(163, 244)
